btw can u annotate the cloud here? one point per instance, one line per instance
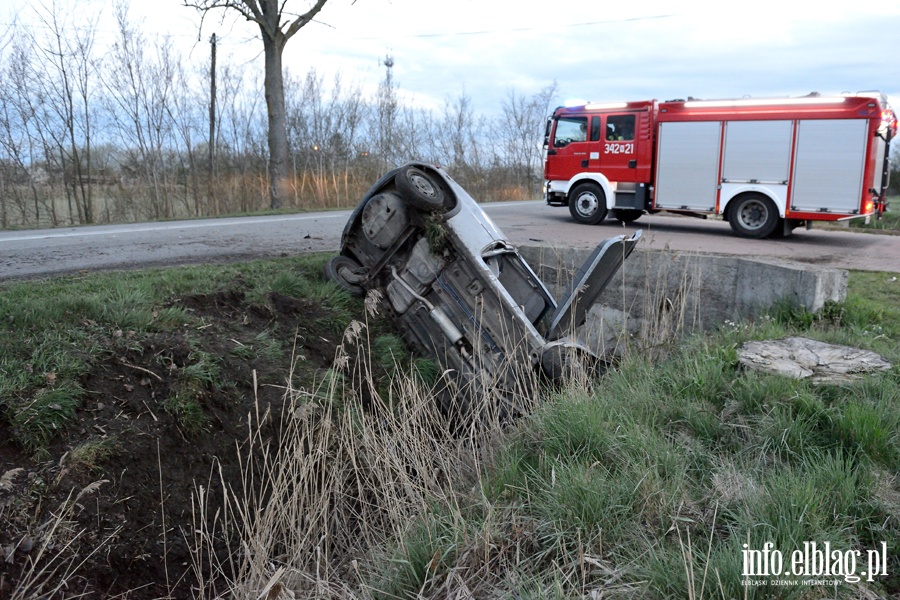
(601, 51)
(761, 52)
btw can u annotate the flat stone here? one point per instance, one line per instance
(803, 358)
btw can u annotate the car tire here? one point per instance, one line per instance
(753, 216)
(626, 215)
(587, 203)
(420, 190)
(347, 274)
(561, 364)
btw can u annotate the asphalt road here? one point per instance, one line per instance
(39, 253)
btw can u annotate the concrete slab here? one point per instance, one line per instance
(802, 358)
(668, 293)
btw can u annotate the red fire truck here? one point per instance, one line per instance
(766, 165)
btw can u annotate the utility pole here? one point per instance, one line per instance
(211, 189)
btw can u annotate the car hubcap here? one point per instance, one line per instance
(423, 185)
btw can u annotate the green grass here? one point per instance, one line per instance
(890, 219)
(647, 484)
(194, 382)
(389, 351)
(264, 344)
(91, 454)
(44, 412)
(56, 330)
(663, 470)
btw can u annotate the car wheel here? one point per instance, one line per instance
(753, 216)
(561, 364)
(419, 190)
(587, 203)
(347, 274)
(627, 215)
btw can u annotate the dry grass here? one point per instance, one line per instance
(55, 557)
(343, 471)
(234, 194)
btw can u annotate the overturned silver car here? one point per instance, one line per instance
(459, 292)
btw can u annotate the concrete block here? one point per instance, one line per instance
(678, 291)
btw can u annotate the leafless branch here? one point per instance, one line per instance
(302, 20)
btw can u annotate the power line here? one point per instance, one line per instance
(413, 35)
(516, 29)
(105, 34)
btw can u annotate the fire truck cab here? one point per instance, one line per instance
(765, 165)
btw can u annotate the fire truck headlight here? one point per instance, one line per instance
(870, 206)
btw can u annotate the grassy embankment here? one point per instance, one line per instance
(120, 391)
(652, 481)
(646, 483)
(57, 331)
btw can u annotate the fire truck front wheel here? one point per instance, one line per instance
(753, 216)
(587, 203)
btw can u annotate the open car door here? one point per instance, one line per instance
(588, 283)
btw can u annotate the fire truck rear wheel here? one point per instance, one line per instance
(753, 216)
(626, 215)
(587, 203)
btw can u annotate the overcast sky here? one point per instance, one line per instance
(600, 51)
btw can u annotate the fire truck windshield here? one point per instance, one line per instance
(568, 130)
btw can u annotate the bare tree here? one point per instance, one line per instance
(240, 141)
(276, 27)
(6, 35)
(457, 133)
(519, 133)
(139, 89)
(415, 131)
(30, 137)
(324, 133)
(184, 111)
(70, 88)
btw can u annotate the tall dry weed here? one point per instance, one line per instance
(58, 551)
(346, 467)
